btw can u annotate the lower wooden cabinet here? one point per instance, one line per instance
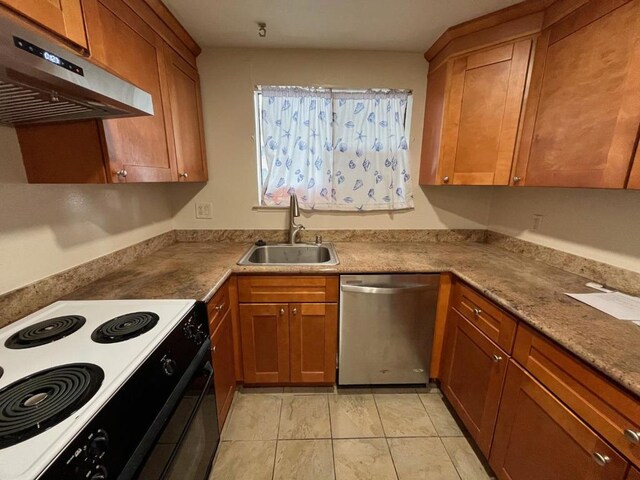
(222, 354)
(264, 329)
(289, 343)
(537, 437)
(313, 335)
(473, 374)
(634, 474)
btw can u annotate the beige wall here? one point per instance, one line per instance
(228, 78)
(600, 224)
(45, 229)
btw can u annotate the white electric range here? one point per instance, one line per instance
(64, 364)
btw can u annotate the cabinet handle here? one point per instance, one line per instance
(516, 179)
(601, 459)
(445, 180)
(122, 173)
(497, 358)
(183, 175)
(295, 311)
(477, 312)
(282, 311)
(632, 436)
(213, 349)
(219, 307)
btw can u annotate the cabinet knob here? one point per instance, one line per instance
(477, 312)
(213, 349)
(445, 179)
(497, 358)
(282, 311)
(516, 179)
(632, 436)
(122, 173)
(219, 307)
(183, 174)
(601, 459)
(295, 311)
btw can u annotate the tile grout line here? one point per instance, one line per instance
(386, 439)
(450, 458)
(275, 453)
(384, 432)
(333, 451)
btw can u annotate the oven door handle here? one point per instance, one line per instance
(149, 440)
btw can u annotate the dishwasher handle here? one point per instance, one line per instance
(383, 290)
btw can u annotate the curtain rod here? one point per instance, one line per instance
(335, 88)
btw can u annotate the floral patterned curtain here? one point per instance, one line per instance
(335, 150)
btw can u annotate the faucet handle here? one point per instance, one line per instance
(318, 239)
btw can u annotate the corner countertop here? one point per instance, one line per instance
(532, 291)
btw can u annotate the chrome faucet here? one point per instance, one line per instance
(294, 211)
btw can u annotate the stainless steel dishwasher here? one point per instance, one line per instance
(386, 328)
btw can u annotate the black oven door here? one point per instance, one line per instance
(190, 437)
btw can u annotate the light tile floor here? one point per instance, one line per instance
(345, 434)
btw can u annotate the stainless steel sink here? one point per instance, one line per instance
(285, 254)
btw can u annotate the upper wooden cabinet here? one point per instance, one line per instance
(583, 110)
(121, 41)
(560, 107)
(62, 17)
(167, 146)
(186, 118)
(479, 117)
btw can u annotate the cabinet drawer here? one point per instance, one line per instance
(612, 412)
(489, 319)
(217, 307)
(285, 289)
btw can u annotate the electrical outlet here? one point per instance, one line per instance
(537, 222)
(204, 210)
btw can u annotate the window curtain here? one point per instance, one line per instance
(335, 150)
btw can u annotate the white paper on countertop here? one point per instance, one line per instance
(616, 304)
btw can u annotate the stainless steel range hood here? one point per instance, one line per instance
(42, 82)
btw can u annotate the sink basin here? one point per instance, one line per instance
(285, 254)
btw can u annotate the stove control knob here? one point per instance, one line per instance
(99, 443)
(189, 331)
(100, 473)
(201, 335)
(168, 366)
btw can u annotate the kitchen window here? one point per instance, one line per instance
(336, 149)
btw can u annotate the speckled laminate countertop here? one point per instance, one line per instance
(532, 291)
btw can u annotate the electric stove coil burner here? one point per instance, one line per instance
(38, 402)
(45, 332)
(125, 327)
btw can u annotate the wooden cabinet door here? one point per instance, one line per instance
(538, 437)
(186, 118)
(222, 354)
(313, 337)
(264, 329)
(473, 373)
(63, 17)
(126, 45)
(583, 110)
(634, 474)
(482, 115)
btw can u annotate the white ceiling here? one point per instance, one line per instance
(395, 25)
